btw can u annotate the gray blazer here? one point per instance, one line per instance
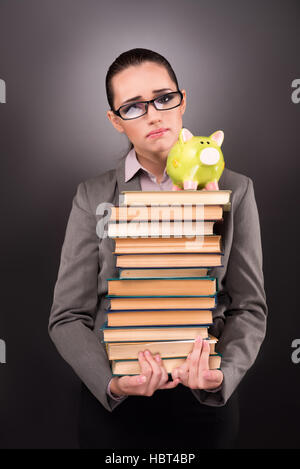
(79, 302)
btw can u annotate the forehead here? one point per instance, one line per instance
(140, 80)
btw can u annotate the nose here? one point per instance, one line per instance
(153, 113)
(209, 156)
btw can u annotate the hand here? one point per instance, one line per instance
(212, 186)
(153, 376)
(194, 372)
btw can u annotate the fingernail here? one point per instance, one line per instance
(142, 379)
(157, 357)
(147, 353)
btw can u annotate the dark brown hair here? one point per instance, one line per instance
(134, 57)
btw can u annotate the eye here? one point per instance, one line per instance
(165, 99)
(208, 143)
(132, 109)
(202, 142)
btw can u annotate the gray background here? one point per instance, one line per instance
(237, 61)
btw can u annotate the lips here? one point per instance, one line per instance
(157, 132)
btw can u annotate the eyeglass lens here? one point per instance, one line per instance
(167, 101)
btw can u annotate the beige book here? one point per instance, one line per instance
(156, 229)
(132, 367)
(166, 317)
(162, 286)
(203, 244)
(153, 333)
(167, 349)
(204, 302)
(187, 196)
(159, 273)
(168, 260)
(177, 212)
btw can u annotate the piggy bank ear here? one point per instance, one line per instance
(185, 135)
(218, 137)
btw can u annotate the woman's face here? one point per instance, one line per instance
(145, 81)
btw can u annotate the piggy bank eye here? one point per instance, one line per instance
(202, 142)
(208, 142)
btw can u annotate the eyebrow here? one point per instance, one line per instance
(140, 97)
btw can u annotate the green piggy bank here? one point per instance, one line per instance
(196, 162)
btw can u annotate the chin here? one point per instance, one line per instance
(162, 148)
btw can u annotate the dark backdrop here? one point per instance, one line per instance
(237, 61)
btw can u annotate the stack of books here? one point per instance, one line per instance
(163, 297)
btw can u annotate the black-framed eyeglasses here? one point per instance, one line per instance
(140, 108)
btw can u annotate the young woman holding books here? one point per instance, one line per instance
(195, 407)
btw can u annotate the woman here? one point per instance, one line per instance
(197, 407)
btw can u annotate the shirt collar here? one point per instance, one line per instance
(132, 166)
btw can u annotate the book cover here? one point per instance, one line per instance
(187, 196)
(132, 367)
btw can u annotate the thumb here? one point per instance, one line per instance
(138, 379)
(131, 380)
(215, 376)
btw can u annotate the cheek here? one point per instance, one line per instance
(134, 130)
(175, 122)
(177, 116)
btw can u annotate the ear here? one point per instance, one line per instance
(218, 137)
(115, 120)
(185, 135)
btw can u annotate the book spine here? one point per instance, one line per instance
(155, 326)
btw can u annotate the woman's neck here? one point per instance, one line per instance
(156, 164)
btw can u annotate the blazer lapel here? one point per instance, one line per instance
(132, 185)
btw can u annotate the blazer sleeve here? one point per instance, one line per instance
(245, 317)
(74, 307)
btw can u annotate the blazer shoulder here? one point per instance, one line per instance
(100, 188)
(235, 180)
(238, 183)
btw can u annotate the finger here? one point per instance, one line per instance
(204, 357)
(164, 373)
(183, 371)
(171, 384)
(145, 367)
(129, 383)
(184, 368)
(175, 373)
(212, 186)
(135, 380)
(186, 365)
(156, 371)
(194, 362)
(212, 379)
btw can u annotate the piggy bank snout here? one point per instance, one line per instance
(209, 156)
